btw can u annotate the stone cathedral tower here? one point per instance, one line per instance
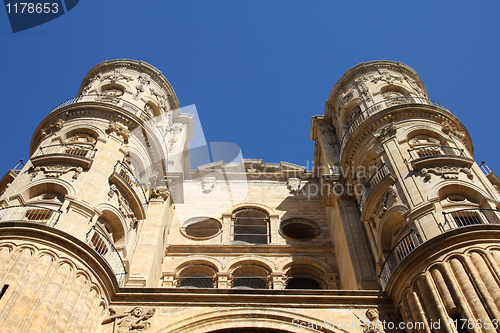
(107, 229)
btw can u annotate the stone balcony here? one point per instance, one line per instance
(80, 155)
(437, 155)
(379, 107)
(123, 177)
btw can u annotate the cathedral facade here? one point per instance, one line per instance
(107, 229)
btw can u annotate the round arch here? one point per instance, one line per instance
(274, 321)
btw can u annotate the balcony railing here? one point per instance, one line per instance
(374, 180)
(431, 151)
(465, 217)
(124, 173)
(380, 106)
(108, 100)
(82, 151)
(484, 168)
(30, 213)
(400, 251)
(105, 248)
(126, 105)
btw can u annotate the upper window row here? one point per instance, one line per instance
(250, 226)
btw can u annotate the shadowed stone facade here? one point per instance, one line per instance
(107, 229)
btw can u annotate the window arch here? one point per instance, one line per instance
(304, 277)
(251, 276)
(197, 276)
(111, 227)
(251, 226)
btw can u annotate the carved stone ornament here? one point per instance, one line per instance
(386, 77)
(119, 129)
(293, 185)
(123, 204)
(160, 98)
(158, 193)
(363, 88)
(373, 324)
(84, 139)
(449, 129)
(144, 80)
(53, 128)
(385, 133)
(415, 85)
(135, 320)
(116, 76)
(446, 172)
(208, 184)
(55, 171)
(90, 83)
(113, 92)
(346, 97)
(385, 202)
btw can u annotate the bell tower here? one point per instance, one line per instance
(89, 212)
(429, 213)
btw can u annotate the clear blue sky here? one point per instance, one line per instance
(257, 70)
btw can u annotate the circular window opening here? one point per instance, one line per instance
(299, 229)
(201, 227)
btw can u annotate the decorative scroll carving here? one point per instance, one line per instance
(55, 171)
(385, 133)
(385, 203)
(446, 172)
(208, 184)
(53, 128)
(134, 320)
(123, 204)
(119, 129)
(293, 185)
(158, 193)
(117, 75)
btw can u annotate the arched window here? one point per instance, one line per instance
(251, 226)
(304, 277)
(251, 276)
(197, 276)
